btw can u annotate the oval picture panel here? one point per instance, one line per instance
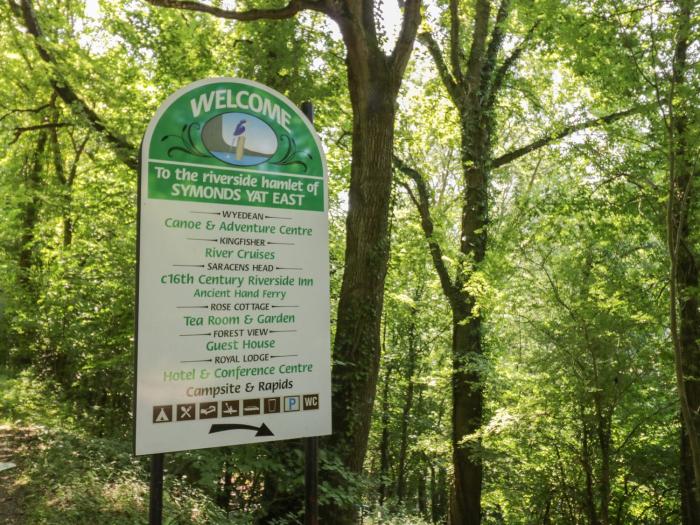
(239, 139)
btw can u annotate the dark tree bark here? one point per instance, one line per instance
(66, 178)
(689, 510)
(439, 505)
(546, 519)
(31, 173)
(587, 464)
(604, 435)
(422, 491)
(684, 274)
(356, 346)
(433, 495)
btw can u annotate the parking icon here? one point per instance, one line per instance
(292, 404)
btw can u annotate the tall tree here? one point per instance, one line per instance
(474, 77)
(682, 223)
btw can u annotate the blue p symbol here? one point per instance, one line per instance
(291, 403)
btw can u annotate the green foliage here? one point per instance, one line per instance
(578, 368)
(583, 380)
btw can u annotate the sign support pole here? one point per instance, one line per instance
(311, 443)
(311, 481)
(155, 508)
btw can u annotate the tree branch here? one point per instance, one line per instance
(407, 36)
(476, 53)
(497, 81)
(123, 150)
(447, 79)
(288, 11)
(50, 125)
(455, 41)
(565, 132)
(76, 160)
(423, 205)
(57, 157)
(495, 44)
(24, 110)
(15, 8)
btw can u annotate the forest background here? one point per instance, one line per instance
(514, 231)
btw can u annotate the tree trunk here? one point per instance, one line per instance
(689, 360)
(438, 494)
(546, 519)
(604, 435)
(356, 350)
(422, 493)
(467, 383)
(690, 512)
(407, 407)
(32, 181)
(66, 181)
(433, 495)
(467, 411)
(685, 298)
(67, 228)
(384, 444)
(587, 461)
(26, 257)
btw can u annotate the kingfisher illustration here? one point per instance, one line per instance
(240, 128)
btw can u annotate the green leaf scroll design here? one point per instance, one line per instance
(186, 142)
(292, 156)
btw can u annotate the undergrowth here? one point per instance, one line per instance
(69, 477)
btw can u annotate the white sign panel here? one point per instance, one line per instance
(233, 341)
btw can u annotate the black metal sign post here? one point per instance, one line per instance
(311, 443)
(311, 481)
(155, 508)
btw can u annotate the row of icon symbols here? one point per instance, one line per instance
(235, 407)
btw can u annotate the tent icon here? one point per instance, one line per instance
(162, 414)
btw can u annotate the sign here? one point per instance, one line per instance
(232, 335)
